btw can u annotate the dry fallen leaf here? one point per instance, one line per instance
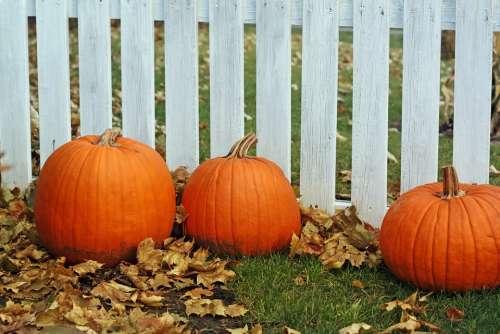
(88, 267)
(358, 284)
(256, 329)
(148, 257)
(454, 314)
(357, 328)
(494, 171)
(337, 239)
(213, 307)
(392, 157)
(288, 330)
(243, 330)
(3, 167)
(300, 280)
(410, 325)
(346, 176)
(410, 308)
(202, 307)
(198, 293)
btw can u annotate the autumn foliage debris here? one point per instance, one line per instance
(337, 239)
(159, 294)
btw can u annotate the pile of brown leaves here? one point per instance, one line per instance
(159, 294)
(411, 308)
(337, 239)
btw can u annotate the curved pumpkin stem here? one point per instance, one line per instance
(241, 147)
(451, 186)
(109, 137)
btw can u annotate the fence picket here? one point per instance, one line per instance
(181, 56)
(421, 74)
(473, 62)
(226, 75)
(138, 82)
(15, 134)
(94, 46)
(53, 75)
(370, 108)
(274, 100)
(319, 103)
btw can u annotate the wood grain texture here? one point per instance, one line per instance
(15, 134)
(226, 75)
(274, 79)
(249, 15)
(473, 66)
(319, 103)
(94, 47)
(181, 56)
(138, 81)
(53, 75)
(370, 108)
(421, 89)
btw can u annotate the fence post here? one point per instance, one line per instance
(15, 133)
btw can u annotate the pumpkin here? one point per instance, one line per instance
(240, 204)
(444, 236)
(98, 197)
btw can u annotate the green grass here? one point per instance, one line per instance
(327, 301)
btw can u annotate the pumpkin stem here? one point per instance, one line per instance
(450, 183)
(109, 137)
(241, 147)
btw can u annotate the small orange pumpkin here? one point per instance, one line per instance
(445, 236)
(239, 204)
(98, 197)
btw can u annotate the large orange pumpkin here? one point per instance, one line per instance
(98, 197)
(445, 236)
(239, 204)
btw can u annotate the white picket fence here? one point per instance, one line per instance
(421, 21)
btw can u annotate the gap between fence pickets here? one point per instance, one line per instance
(345, 12)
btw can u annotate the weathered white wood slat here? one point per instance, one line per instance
(319, 103)
(249, 15)
(181, 55)
(421, 85)
(473, 62)
(370, 108)
(137, 55)
(53, 75)
(274, 79)
(226, 75)
(15, 134)
(94, 46)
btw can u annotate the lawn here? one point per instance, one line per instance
(326, 300)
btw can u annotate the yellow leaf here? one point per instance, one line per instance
(358, 284)
(198, 293)
(202, 307)
(88, 267)
(151, 299)
(148, 257)
(357, 328)
(243, 330)
(288, 330)
(235, 310)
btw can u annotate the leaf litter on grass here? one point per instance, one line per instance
(411, 309)
(175, 288)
